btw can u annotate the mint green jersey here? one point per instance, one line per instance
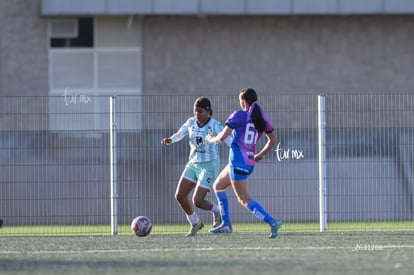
(200, 150)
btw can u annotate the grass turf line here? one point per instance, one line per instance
(96, 230)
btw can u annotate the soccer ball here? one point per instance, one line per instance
(141, 226)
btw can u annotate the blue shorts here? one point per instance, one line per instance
(203, 173)
(240, 171)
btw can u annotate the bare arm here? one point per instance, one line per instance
(220, 136)
(271, 140)
(179, 135)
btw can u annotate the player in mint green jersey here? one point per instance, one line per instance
(203, 164)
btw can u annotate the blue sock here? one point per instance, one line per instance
(257, 210)
(224, 207)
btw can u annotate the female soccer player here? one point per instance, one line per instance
(246, 127)
(203, 165)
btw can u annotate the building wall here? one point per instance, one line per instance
(221, 54)
(314, 54)
(23, 49)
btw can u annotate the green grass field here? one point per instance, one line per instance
(304, 227)
(243, 252)
(238, 253)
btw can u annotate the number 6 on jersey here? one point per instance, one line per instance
(251, 134)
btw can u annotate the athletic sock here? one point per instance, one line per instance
(258, 211)
(224, 207)
(193, 218)
(215, 208)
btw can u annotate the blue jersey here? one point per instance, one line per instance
(244, 137)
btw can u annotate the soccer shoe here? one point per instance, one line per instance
(195, 228)
(221, 229)
(216, 219)
(274, 228)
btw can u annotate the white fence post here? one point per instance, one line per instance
(113, 157)
(322, 163)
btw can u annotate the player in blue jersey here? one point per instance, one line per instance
(203, 165)
(245, 126)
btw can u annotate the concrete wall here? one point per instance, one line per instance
(23, 49)
(221, 54)
(329, 54)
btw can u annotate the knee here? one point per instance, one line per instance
(179, 197)
(197, 202)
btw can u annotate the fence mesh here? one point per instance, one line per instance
(55, 163)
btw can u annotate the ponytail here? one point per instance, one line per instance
(255, 111)
(257, 118)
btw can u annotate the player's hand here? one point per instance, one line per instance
(165, 141)
(209, 138)
(257, 158)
